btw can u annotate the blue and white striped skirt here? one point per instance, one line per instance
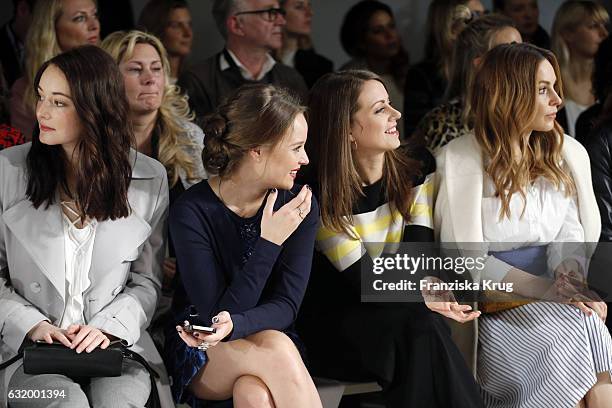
(541, 355)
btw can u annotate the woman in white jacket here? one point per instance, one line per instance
(519, 184)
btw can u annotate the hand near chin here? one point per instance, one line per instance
(277, 226)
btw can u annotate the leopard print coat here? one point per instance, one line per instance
(442, 124)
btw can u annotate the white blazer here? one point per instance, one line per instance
(125, 271)
(458, 211)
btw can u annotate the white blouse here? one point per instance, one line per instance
(549, 217)
(78, 251)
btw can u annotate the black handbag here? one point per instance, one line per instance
(55, 358)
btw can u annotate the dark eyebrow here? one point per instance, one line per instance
(59, 93)
(379, 101)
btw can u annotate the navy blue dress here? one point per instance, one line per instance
(224, 264)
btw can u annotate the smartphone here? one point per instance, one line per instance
(190, 328)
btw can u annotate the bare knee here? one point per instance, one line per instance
(251, 392)
(284, 358)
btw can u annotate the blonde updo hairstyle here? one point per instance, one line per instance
(253, 116)
(445, 20)
(174, 110)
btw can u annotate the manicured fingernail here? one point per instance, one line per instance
(274, 190)
(196, 335)
(308, 187)
(215, 319)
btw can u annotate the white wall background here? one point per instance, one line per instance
(410, 16)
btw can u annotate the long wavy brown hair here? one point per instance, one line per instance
(503, 101)
(331, 108)
(103, 171)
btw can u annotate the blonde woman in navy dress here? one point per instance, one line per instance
(518, 181)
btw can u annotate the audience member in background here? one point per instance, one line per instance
(599, 146)
(170, 21)
(9, 136)
(578, 29)
(427, 80)
(297, 50)
(81, 233)
(252, 30)
(519, 185)
(115, 15)
(12, 40)
(57, 26)
(159, 114)
(244, 241)
(602, 88)
(525, 14)
(448, 121)
(371, 192)
(4, 99)
(369, 35)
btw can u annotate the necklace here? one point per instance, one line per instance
(221, 195)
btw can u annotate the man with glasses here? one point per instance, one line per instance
(252, 29)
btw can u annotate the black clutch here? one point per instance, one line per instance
(44, 358)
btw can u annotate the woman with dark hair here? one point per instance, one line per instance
(369, 35)
(374, 196)
(448, 121)
(521, 188)
(244, 240)
(297, 50)
(170, 21)
(602, 88)
(81, 232)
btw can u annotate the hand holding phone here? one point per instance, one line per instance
(190, 328)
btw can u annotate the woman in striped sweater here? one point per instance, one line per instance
(374, 196)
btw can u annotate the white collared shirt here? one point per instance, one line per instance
(78, 246)
(246, 74)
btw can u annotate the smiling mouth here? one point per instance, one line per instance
(44, 128)
(392, 131)
(293, 173)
